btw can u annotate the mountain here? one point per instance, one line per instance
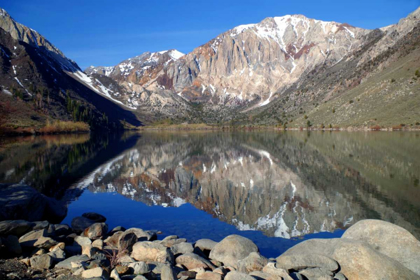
(39, 84)
(275, 71)
(290, 70)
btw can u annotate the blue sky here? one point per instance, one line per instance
(105, 32)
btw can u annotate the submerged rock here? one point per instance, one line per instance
(19, 201)
(97, 218)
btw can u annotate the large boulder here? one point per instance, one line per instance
(232, 249)
(96, 272)
(147, 251)
(182, 248)
(15, 227)
(303, 261)
(389, 239)
(357, 260)
(22, 202)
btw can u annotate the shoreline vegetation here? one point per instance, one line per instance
(370, 249)
(55, 127)
(71, 127)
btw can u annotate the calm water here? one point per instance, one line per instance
(276, 188)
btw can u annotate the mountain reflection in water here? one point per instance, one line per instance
(283, 184)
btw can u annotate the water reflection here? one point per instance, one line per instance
(283, 184)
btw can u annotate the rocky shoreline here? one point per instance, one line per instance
(370, 249)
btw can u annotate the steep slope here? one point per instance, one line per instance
(39, 83)
(376, 85)
(241, 68)
(128, 81)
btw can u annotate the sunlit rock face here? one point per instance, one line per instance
(287, 190)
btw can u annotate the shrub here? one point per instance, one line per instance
(392, 80)
(376, 127)
(351, 101)
(397, 127)
(305, 117)
(64, 127)
(333, 111)
(417, 73)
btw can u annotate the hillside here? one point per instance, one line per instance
(39, 85)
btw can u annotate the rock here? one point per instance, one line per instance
(113, 240)
(390, 240)
(60, 245)
(95, 231)
(187, 274)
(38, 252)
(57, 255)
(97, 218)
(357, 259)
(41, 262)
(254, 262)
(118, 228)
(234, 275)
(114, 275)
(26, 261)
(40, 225)
(191, 261)
(151, 252)
(98, 243)
(12, 245)
(60, 229)
(340, 276)
(141, 234)
(205, 244)
(182, 248)
(127, 259)
(232, 249)
(221, 270)
(67, 262)
(15, 227)
(96, 272)
(122, 269)
(303, 261)
(22, 202)
(209, 276)
(317, 273)
(139, 267)
(171, 242)
(264, 276)
(82, 241)
(167, 273)
(271, 269)
(79, 224)
(127, 240)
(29, 239)
(45, 243)
(139, 277)
(78, 271)
(88, 250)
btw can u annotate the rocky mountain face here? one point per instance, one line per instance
(237, 75)
(39, 84)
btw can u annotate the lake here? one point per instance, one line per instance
(276, 188)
